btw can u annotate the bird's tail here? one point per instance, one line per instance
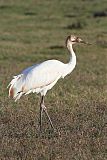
(15, 87)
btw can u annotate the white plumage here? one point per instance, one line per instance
(38, 78)
(42, 77)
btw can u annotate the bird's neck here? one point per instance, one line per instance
(72, 61)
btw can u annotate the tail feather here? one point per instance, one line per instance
(15, 90)
(11, 92)
(18, 96)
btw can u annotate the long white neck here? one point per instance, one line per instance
(72, 62)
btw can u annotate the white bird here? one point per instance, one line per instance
(42, 77)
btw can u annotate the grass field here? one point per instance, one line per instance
(34, 31)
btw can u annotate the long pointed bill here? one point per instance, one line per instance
(85, 42)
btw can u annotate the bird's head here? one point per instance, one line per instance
(74, 39)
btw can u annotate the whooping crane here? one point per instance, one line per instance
(42, 77)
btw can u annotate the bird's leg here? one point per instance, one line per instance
(41, 112)
(43, 108)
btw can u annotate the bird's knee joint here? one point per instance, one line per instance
(43, 106)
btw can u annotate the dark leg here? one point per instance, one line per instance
(43, 108)
(41, 112)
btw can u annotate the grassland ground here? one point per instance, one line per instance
(34, 31)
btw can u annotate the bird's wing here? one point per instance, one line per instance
(27, 70)
(36, 78)
(42, 74)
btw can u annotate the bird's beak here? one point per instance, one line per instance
(81, 41)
